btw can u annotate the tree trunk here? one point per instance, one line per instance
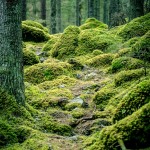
(34, 8)
(78, 12)
(97, 9)
(11, 61)
(58, 16)
(136, 8)
(53, 16)
(90, 8)
(24, 7)
(43, 11)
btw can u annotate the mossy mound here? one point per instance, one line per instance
(66, 45)
(61, 82)
(46, 71)
(93, 39)
(132, 101)
(126, 63)
(101, 97)
(49, 45)
(125, 76)
(97, 52)
(30, 33)
(29, 57)
(91, 23)
(100, 60)
(137, 27)
(35, 24)
(132, 129)
(76, 65)
(124, 52)
(131, 42)
(141, 49)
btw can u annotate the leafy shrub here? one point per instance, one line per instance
(125, 76)
(46, 71)
(135, 99)
(29, 57)
(93, 23)
(137, 27)
(125, 63)
(101, 60)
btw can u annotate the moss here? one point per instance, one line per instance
(35, 24)
(93, 23)
(49, 45)
(30, 33)
(125, 76)
(78, 113)
(126, 63)
(141, 49)
(66, 45)
(136, 98)
(29, 57)
(66, 81)
(100, 60)
(131, 42)
(97, 52)
(46, 71)
(132, 129)
(124, 52)
(137, 27)
(76, 65)
(71, 106)
(102, 96)
(92, 39)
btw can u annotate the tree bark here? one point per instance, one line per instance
(43, 11)
(90, 8)
(24, 7)
(78, 12)
(53, 16)
(58, 16)
(11, 59)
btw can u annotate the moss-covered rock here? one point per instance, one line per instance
(30, 33)
(97, 52)
(137, 27)
(100, 60)
(141, 49)
(46, 71)
(35, 24)
(66, 45)
(126, 63)
(133, 131)
(131, 42)
(124, 52)
(93, 23)
(132, 101)
(76, 65)
(29, 57)
(125, 76)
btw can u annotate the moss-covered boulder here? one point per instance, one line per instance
(66, 45)
(137, 27)
(46, 71)
(132, 131)
(141, 49)
(76, 65)
(29, 57)
(100, 60)
(35, 24)
(129, 75)
(132, 101)
(31, 33)
(131, 42)
(126, 63)
(91, 23)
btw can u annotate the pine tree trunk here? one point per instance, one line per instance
(106, 12)
(11, 61)
(43, 11)
(90, 8)
(24, 7)
(53, 16)
(97, 9)
(58, 16)
(78, 12)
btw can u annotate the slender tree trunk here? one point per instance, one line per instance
(97, 9)
(78, 12)
(136, 8)
(24, 7)
(53, 16)
(43, 11)
(34, 8)
(11, 61)
(58, 16)
(90, 8)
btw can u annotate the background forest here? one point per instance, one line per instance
(75, 75)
